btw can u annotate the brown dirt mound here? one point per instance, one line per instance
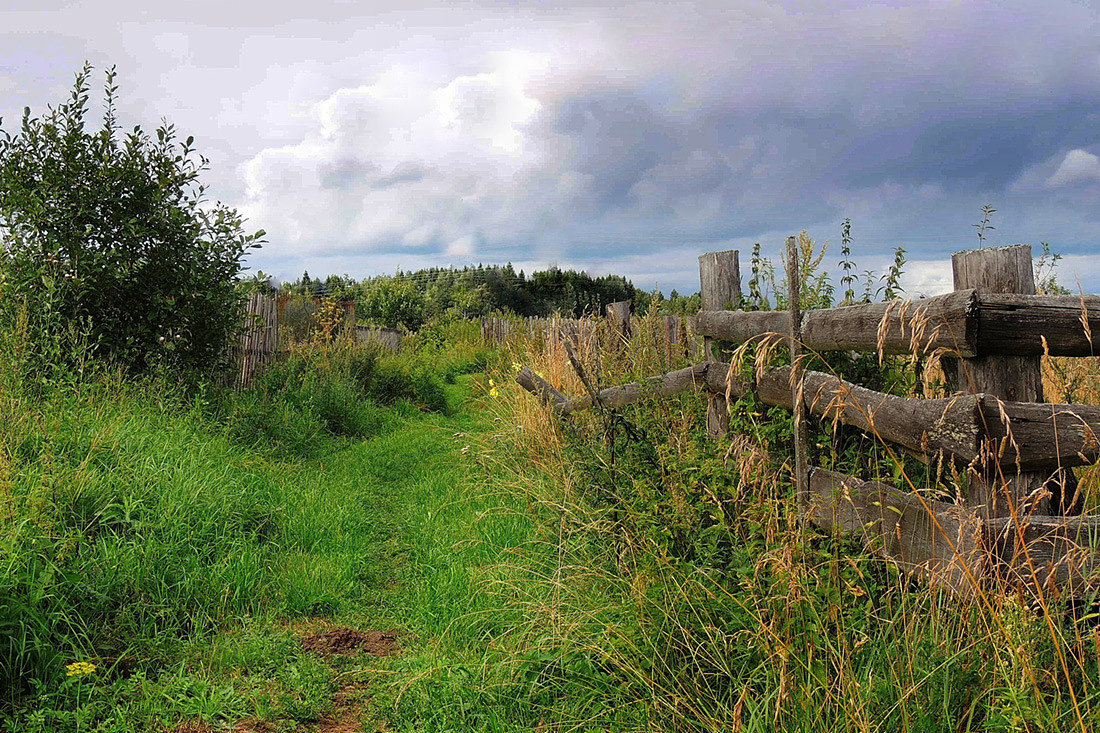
(351, 641)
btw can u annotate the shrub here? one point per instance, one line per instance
(297, 319)
(403, 379)
(339, 406)
(111, 232)
(394, 302)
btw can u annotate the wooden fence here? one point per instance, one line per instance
(258, 342)
(390, 338)
(674, 334)
(1020, 521)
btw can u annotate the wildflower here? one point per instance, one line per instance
(77, 669)
(517, 366)
(493, 392)
(491, 382)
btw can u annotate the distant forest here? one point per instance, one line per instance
(410, 299)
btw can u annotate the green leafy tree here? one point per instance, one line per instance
(111, 231)
(394, 302)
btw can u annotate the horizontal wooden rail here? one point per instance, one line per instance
(951, 544)
(1035, 436)
(965, 322)
(1017, 324)
(901, 326)
(1042, 436)
(934, 538)
(664, 385)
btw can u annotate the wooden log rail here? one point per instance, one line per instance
(1036, 436)
(664, 385)
(952, 544)
(1016, 449)
(967, 323)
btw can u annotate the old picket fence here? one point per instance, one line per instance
(1020, 521)
(258, 342)
(675, 334)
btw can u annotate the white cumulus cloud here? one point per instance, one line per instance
(406, 160)
(1079, 166)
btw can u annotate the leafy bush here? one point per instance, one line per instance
(404, 379)
(449, 346)
(394, 302)
(297, 319)
(111, 231)
(334, 388)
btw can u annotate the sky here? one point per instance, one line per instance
(615, 138)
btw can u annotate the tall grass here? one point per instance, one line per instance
(137, 516)
(684, 595)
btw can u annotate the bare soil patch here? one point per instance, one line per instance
(342, 641)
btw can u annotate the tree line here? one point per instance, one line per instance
(410, 299)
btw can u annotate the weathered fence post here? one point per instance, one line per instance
(801, 444)
(619, 314)
(1016, 378)
(719, 289)
(670, 335)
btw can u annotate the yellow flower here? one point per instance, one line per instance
(493, 392)
(517, 366)
(491, 382)
(79, 668)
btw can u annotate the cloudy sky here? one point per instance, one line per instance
(365, 136)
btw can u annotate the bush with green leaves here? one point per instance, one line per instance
(394, 302)
(109, 233)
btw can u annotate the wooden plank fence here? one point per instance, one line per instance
(1019, 522)
(390, 338)
(258, 341)
(257, 344)
(674, 334)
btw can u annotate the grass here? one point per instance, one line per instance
(183, 555)
(686, 596)
(584, 574)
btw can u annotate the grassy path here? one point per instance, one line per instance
(404, 521)
(206, 565)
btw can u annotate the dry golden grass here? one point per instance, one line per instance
(783, 631)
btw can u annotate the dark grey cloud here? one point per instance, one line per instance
(626, 138)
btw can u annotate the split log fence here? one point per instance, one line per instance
(1020, 521)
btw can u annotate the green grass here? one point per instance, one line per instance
(540, 579)
(140, 537)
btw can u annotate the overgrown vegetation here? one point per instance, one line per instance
(141, 522)
(684, 595)
(165, 542)
(109, 246)
(156, 530)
